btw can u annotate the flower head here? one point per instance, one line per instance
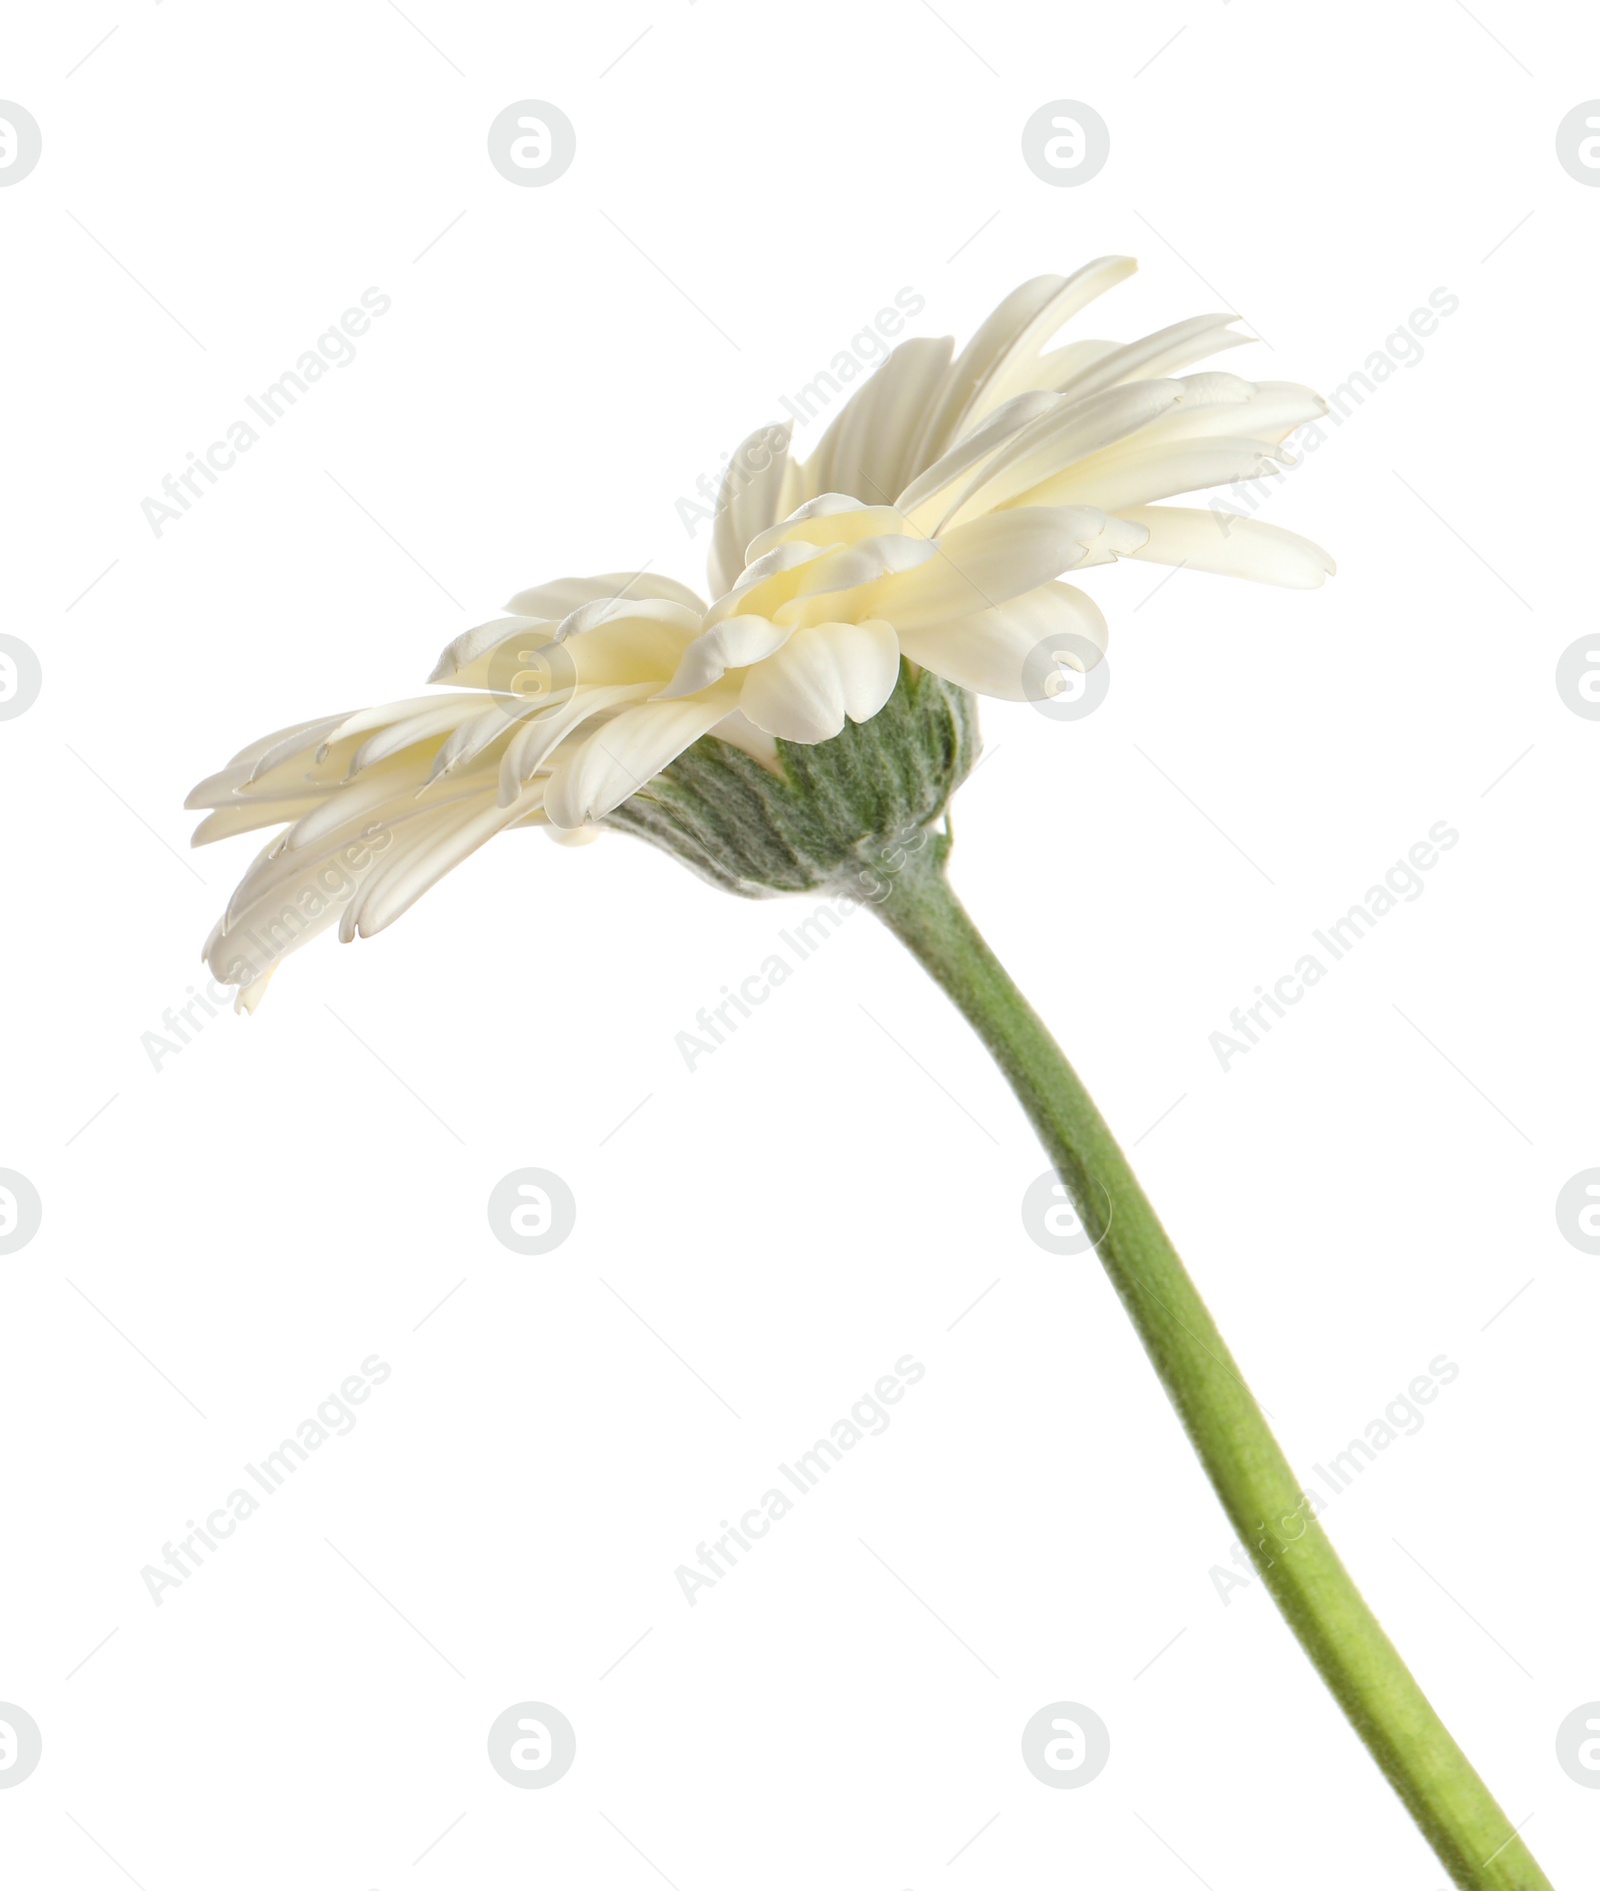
(927, 536)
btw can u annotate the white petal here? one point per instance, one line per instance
(337, 816)
(733, 644)
(767, 583)
(538, 739)
(386, 714)
(1234, 548)
(460, 660)
(1159, 354)
(300, 877)
(247, 956)
(442, 714)
(600, 771)
(1022, 323)
(920, 500)
(1215, 405)
(1021, 363)
(244, 817)
(599, 612)
(1138, 474)
(632, 650)
(821, 675)
(567, 836)
(849, 573)
(564, 595)
(1278, 408)
(298, 735)
(1062, 366)
(986, 563)
(822, 505)
(832, 519)
(629, 648)
(989, 652)
(469, 740)
(739, 732)
(1068, 432)
(747, 502)
(277, 765)
(288, 898)
(868, 658)
(400, 882)
(868, 445)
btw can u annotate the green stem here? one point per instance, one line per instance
(1261, 1495)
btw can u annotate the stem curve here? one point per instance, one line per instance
(1314, 1592)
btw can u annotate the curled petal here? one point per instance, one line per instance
(461, 661)
(537, 739)
(602, 611)
(831, 519)
(991, 651)
(558, 599)
(600, 770)
(770, 581)
(733, 644)
(823, 674)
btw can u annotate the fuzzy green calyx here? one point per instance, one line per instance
(833, 815)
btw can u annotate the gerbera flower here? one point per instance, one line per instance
(807, 728)
(931, 527)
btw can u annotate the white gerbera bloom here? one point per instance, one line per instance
(932, 525)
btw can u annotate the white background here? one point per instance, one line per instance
(233, 1234)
